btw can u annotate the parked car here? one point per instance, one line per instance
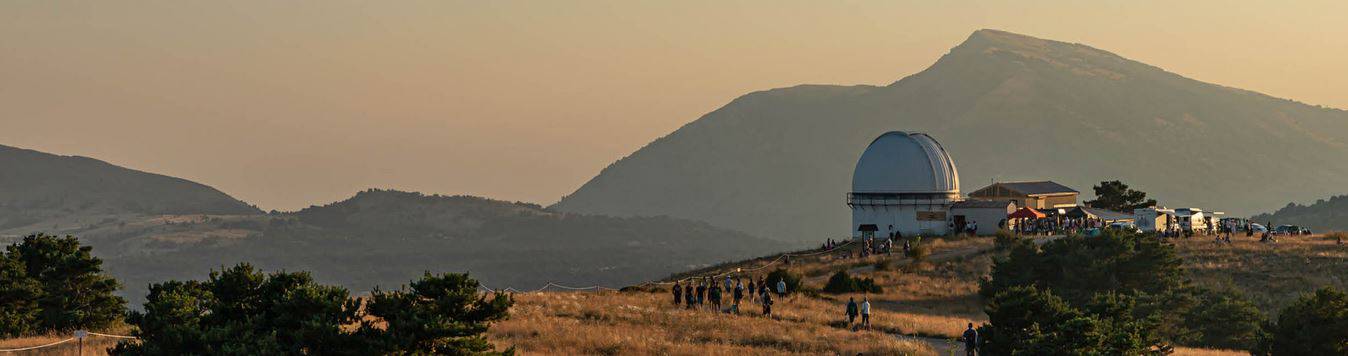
(1258, 229)
(1287, 230)
(1305, 231)
(1124, 226)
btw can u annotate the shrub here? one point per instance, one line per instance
(1005, 240)
(55, 284)
(918, 252)
(1317, 324)
(792, 280)
(840, 283)
(884, 265)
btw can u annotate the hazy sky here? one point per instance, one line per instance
(290, 103)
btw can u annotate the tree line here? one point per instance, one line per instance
(1126, 294)
(53, 284)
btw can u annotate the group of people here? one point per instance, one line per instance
(707, 293)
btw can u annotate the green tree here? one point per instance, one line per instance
(440, 315)
(1221, 320)
(241, 311)
(1116, 196)
(75, 293)
(18, 298)
(1077, 268)
(1317, 324)
(1025, 320)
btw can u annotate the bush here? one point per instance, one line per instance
(55, 284)
(840, 283)
(1005, 240)
(1078, 268)
(884, 265)
(792, 280)
(918, 252)
(1317, 324)
(242, 311)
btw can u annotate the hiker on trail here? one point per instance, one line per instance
(678, 292)
(738, 294)
(701, 292)
(970, 340)
(714, 293)
(906, 246)
(851, 311)
(688, 299)
(866, 312)
(781, 287)
(767, 303)
(753, 289)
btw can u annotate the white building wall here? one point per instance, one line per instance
(903, 217)
(987, 218)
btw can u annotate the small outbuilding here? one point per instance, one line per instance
(987, 215)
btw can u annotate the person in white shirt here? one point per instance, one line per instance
(866, 312)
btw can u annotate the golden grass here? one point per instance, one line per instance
(1185, 351)
(1271, 275)
(638, 323)
(93, 345)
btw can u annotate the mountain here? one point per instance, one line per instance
(37, 186)
(386, 238)
(777, 163)
(1321, 216)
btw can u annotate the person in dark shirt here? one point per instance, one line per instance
(738, 294)
(701, 293)
(688, 299)
(678, 293)
(767, 303)
(970, 340)
(851, 311)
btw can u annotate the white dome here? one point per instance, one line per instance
(901, 162)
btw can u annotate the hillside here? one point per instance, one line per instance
(1323, 215)
(777, 163)
(380, 238)
(37, 187)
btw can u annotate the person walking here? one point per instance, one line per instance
(738, 294)
(678, 293)
(701, 293)
(728, 284)
(781, 287)
(767, 303)
(866, 312)
(714, 294)
(970, 340)
(688, 300)
(753, 290)
(851, 311)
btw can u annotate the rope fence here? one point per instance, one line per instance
(80, 335)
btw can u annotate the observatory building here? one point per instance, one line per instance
(904, 183)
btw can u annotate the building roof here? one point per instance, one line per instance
(1037, 188)
(901, 162)
(977, 204)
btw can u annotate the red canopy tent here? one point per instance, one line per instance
(1026, 213)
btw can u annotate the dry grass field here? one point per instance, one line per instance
(639, 323)
(1272, 275)
(93, 345)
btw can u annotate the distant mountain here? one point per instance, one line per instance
(1321, 216)
(777, 163)
(36, 186)
(385, 238)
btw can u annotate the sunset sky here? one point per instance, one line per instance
(290, 103)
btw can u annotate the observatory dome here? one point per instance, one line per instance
(901, 162)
